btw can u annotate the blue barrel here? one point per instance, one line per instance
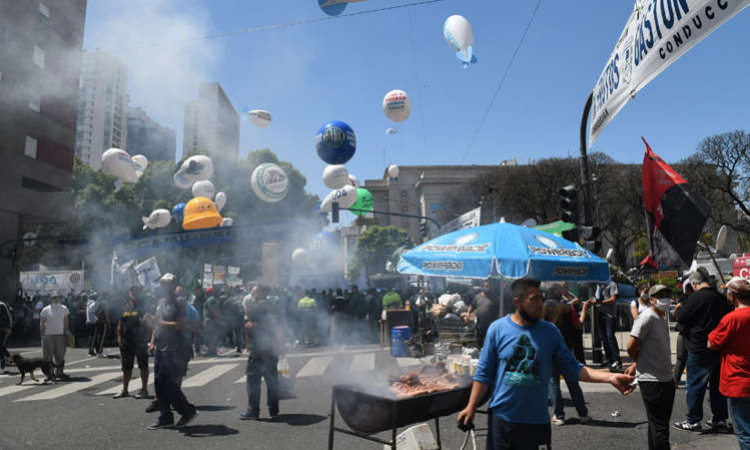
(398, 336)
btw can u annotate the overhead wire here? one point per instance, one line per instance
(502, 82)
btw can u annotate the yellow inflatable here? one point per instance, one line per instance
(201, 213)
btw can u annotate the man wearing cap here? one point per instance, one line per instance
(131, 338)
(731, 338)
(702, 312)
(53, 323)
(649, 348)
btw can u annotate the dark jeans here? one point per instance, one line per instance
(658, 399)
(262, 365)
(703, 372)
(740, 408)
(168, 369)
(682, 354)
(607, 328)
(100, 334)
(90, 328)
(502, 435)
(576, 394)
(3, 351)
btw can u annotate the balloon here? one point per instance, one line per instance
(195, 168)
(397, 105)
(392, 130)
(200, 213)
(159, 218)
(345, 198)
(118, 163)
(220, 200)
(336, 142)
(182, 182)
(364, 202)
(332, 7)
(269, 182)
(353, 181)
(458, 34)
(335, 176)
(178, 212)
(393, 171)
(227, 222)
(259, 118)
(140, 162)
(300, 257)
(204, 189)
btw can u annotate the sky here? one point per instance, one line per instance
(307, 75)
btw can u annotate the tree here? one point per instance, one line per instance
(374, 247)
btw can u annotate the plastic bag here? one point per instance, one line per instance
(286, 380)
(460, 307)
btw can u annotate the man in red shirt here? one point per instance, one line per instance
(731, 337)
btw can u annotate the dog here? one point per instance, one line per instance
(28, 365)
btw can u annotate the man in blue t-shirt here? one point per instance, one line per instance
(517, 363)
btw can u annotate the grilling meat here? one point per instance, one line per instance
(429, 379)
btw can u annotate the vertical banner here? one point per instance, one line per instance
(656, 35)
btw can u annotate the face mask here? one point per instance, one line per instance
(662, 304)
(528, 318)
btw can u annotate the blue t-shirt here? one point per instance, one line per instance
(191, 315)
(516, 362)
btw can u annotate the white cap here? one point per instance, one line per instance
(168, 278)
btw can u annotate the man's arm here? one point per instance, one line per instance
(718, 337)
(478, 391)
(609, 300)
(65, 323)
(42, 324)
(621, 382)
(634, 348)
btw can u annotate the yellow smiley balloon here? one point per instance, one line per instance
(201, 213)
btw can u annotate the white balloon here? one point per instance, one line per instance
(397, 105)
(393, 171)
(260, 118)
(195, 168)
(159, 218)
(220, 200)
(300, 258)
(118, 163)
(458, 34)
(353, 181)
(345, 197)
(181, 182)
(269, 182)
(140, 162)
(204, 188)
(335, 176)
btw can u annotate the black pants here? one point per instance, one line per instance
(682, 355)
(658, 398)
(168, 369)
(503, 435)
(90, 333)
(607, 328)
(3, 338)
(262, 365)
(100, 335)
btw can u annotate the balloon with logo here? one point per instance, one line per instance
(178, 212)
(195, 168)
(200, 213)
(459, 35)
(364, 202)
(259, 118)
(220, 200)
(300, 258)
(336, 142)
(353, 181)
(204, 188)
(118, 163)
(269, 182)
(344, 197)
(140, 162)
(335, 176)
(397, 105)
(159, 218)
(393, 172)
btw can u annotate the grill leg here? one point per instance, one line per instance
(332, 417)
(437, 433)
(393, 433)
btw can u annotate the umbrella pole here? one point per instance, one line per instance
(502, 296)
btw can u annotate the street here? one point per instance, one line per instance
(81, 413)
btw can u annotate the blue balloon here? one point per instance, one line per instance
(332, 10)
(336, 142)
(178, 212)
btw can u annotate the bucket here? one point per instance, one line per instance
(398, 336)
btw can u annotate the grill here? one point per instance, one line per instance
(367, 413)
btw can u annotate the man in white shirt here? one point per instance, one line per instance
(91, 323)
(53, 326)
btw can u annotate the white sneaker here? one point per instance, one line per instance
(556, 421)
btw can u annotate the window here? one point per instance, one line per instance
(35, 102)
(30, 149)
(38, 57)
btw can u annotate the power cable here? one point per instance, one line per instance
(502, 82)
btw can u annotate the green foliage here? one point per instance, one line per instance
(375, 246)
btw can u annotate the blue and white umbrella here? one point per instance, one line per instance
(504, 249)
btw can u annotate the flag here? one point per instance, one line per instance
(675, 213)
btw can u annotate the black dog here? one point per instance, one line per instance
(27, 365)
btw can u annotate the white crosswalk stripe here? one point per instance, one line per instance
(207, 375)
(13, 389)
(242, 380)
(363, 362)
(135, 381)
(315, 367)
(70, 388)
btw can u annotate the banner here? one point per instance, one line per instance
(656, 35)
(148, 245)
(470, 219)
(48, 281)
(742, 267)
(148, 273)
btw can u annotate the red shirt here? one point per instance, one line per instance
(733, 335)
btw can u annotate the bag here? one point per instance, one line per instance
(286, 380)
(70, 340)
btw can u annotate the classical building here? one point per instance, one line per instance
(40, 63)
(146, 137)
(102, 107)
(212, 125)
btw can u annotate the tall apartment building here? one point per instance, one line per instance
(146, 137)
(40, 63)
(102, 107)
(212, 125)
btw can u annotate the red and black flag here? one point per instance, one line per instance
(675, 214)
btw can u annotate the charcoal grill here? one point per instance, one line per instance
(367, 413)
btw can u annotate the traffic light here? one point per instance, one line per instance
(592, 239)
(335, 212)
(423, 229)
(569, 210)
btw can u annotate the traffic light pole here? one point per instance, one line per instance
(412, 216)
(596, 347)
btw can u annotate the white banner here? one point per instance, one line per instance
(148, 273)
(656, 35)
(45, 282)
(470, 219)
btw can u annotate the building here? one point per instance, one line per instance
(212, 125)
(102, 107)
(418, 191)
(146, 137)
(40, 63)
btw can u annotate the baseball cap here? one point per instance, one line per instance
(54, 294)
(656, 289)
(168, 278)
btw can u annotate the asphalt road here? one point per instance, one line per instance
(81, 414)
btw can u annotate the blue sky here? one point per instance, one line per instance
(341, 69)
